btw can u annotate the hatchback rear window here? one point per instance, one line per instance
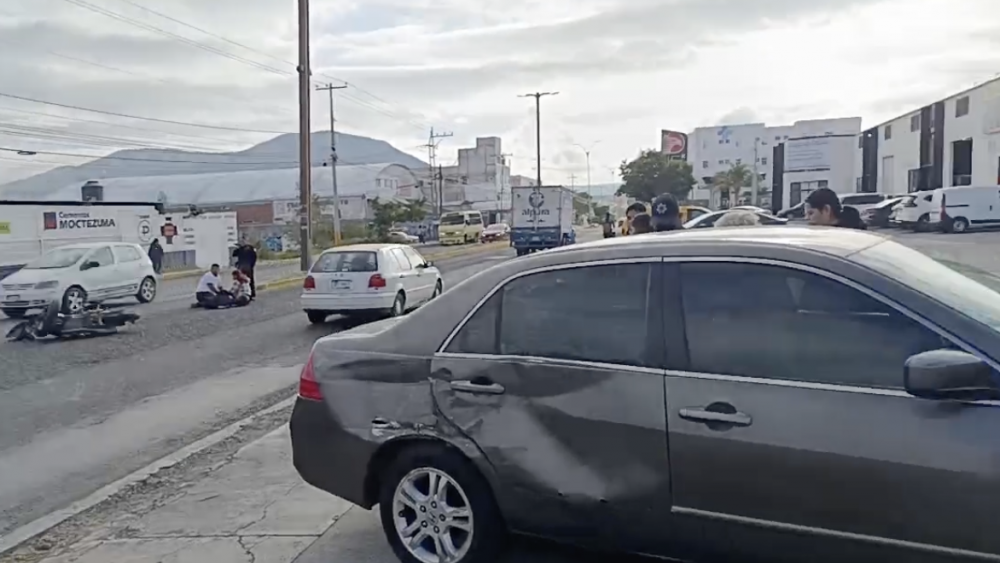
(346, 262)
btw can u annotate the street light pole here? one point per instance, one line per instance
(538, 129)
(305, 131)
(586, 151)
(333, 161)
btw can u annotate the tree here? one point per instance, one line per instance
(653, 174)
(733, 181)
(582, 204)
(386, 215)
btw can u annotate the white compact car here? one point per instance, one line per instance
(369, 279)
(78, 273)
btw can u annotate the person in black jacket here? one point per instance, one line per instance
(156, 255)
(665, 214)
(246, 260)
(823, 208)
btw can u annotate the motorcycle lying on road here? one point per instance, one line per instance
(94, 320)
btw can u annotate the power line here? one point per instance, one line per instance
(154, 119)
(113, 157)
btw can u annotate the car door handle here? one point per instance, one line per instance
(704, 415)
(484, 387)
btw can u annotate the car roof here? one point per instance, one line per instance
(363, 247)
(89, 245)
(829, 240)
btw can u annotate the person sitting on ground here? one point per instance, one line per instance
(738, 218)
(209, 293)
(641, 224)
(241, 291)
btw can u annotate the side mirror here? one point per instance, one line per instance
(950, 375)
(89, 265)
(428, 264)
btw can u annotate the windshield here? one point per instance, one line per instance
(496, 227)
(962, 287)
(346, 262)
(457, 219)
(57, 258)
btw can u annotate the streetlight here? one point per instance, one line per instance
(586, 151)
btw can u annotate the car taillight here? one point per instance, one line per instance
(308, 386)
(309, 283)
(376, 281)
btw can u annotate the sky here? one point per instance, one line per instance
(624, 70)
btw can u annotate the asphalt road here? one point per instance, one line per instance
(76, 415)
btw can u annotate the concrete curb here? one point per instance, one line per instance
(49, 521)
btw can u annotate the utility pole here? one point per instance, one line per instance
(305, 131)
(572, 180)
(432, 144)
(333, 161)
(756, 177)
(440, 190)
(586, 151)
(538, 128)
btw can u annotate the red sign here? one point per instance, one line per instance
(674, 143)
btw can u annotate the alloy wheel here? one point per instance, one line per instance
(433, 516)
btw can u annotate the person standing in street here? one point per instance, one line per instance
(156, 256)
(246, 261)
(823, 209)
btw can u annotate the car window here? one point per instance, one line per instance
(346, 261)
(404, 262)
(127, 254)
(479, 334)
(102, 256)
(774, 322)
(864, 199)
(414, 257)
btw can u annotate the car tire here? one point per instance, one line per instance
(398, 305)
(464, 489)
(958, 225)
(15, 313)
(923, 224)
(147, 290)
(438, 289)
(317, 317)
(74, 300)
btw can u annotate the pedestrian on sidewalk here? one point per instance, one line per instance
(156, 256)
(246, 262)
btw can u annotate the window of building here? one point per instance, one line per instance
(739, 161)
(823, 184)
(915, 123)
(798, 326)
(888, 132)
(722, 161)
(763, 161)
(552, 315)
(861, 142)
(962, 106)
(704, 164)
(794, 194)
(378, 182)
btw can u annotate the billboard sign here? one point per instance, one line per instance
(812, 153)
(674, 144)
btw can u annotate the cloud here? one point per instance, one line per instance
(625, 69)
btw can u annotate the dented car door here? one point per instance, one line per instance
(557, 377)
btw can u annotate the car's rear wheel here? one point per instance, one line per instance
(74, 300)
(316, 317)
(15, 313)
(147, 290)
(435, 507)
(398, 305)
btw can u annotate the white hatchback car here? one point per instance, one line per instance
(78, 273)
(369, 279)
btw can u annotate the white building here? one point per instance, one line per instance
(481, 180)
(952, 142)
(715, 149)
(813, 162)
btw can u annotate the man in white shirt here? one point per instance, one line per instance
(209, 293)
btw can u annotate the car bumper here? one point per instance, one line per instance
(28, 299)
(346, 303)
(328, 457)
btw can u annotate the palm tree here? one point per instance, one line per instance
(733, 181)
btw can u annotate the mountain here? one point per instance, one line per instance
(279, 152)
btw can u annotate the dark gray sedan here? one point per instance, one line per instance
(766, 393)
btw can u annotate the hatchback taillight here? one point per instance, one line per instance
(308, 386)
(376, 281)
(309, 283)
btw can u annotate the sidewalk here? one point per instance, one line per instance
(250, 506)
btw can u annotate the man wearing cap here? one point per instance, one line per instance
(665, 214)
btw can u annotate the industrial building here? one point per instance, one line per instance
(479, 180)
(951, 142)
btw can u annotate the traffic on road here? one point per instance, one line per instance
(174, 430)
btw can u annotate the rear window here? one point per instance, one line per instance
(346, 262)
(865, 199)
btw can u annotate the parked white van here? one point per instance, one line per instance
(967, 207)
(918, 212)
